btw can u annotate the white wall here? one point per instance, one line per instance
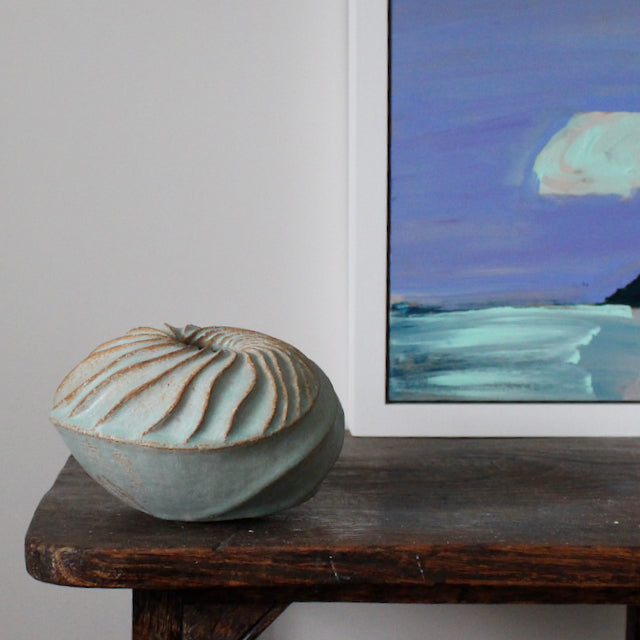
(179, 162)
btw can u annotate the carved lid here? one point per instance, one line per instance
(189, 388)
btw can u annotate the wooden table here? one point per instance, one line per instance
(397, 520)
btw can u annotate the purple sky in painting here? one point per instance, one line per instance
(478, 89)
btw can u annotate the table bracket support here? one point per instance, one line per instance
(182, 615)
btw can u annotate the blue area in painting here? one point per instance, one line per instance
(477, 90)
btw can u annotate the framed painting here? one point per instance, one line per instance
(494, 223)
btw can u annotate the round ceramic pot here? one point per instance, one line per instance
(201, 424)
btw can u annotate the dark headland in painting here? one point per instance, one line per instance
(629, 295)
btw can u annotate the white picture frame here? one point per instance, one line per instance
(368, 413)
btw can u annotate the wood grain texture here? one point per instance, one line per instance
(157, 615)
(397, 520)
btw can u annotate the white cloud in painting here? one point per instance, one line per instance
(596, 153)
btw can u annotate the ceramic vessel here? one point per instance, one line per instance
(201, 423)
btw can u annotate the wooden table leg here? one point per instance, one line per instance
(157, 615)
(633, 623)
(180, 615)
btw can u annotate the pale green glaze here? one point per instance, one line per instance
(201, 424)
(187, 387)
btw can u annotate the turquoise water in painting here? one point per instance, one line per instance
(531, 354)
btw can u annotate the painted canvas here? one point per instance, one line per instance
(514, 217)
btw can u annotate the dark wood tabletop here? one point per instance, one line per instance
(397, 520)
